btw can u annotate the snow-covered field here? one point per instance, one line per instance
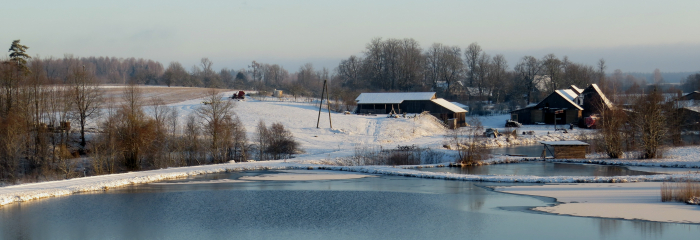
(350, 132)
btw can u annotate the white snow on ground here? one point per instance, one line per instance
(348, 132)
(541, 132)
(633, 201)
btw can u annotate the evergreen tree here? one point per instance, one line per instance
(18, 56)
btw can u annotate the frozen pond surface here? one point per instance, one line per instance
(542, 169)
(383, 207)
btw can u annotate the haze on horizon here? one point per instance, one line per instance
(634, 36)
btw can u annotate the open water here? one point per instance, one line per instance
(380, 207)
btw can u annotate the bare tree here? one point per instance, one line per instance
(192, 141)
(86, 97)
(471, 56)
(650, 121)
(217, 114)
(262, 138)
(529, 69)
(350, 72)
(553, 69)
(175, 74)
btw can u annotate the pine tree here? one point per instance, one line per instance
(18, 56)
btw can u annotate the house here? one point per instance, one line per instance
(565, 106)
(411, 102)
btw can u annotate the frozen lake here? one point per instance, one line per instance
(216, 206)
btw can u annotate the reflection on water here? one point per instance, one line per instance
(541, 169)
(384, 207)
(607, 227)
(612, 228)
(527, 151)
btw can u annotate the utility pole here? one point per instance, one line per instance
(328, 102)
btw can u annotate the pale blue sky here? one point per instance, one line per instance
(630, 35)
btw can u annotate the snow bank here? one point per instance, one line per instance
(26, 192)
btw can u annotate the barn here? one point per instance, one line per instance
(560, 106)
(411, 102)
(564, 106)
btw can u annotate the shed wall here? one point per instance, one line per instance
(569, 152)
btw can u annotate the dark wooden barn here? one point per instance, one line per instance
(593, 101)
(567, 106)
(411, 102)
(560, 106)
(691, 96)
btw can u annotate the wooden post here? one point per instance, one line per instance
(320, 105)
(328, 102)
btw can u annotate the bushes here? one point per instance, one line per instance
(274, 142)
(469, 143)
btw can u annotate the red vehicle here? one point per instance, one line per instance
(239, 95)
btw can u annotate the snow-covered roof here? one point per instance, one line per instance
(564, 143)
(444, 103)
(693, 108)
(576, 89)
(393, 98)
(607, 102)
(569, 95)
(460, 105)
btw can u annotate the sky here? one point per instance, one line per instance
(631, 35)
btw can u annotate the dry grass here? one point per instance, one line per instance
(167, 94)
(679, 191)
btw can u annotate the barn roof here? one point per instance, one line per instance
(450, 106)
(460, 105)
(594, 87)
(576, 89)
(564, 143)
(393, 98)
(569, 95)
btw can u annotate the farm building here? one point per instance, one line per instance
(564, 106)
(410, 102)
(691, 96)
(593, 101)
(560, 105)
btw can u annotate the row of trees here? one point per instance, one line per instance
(469, 74)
